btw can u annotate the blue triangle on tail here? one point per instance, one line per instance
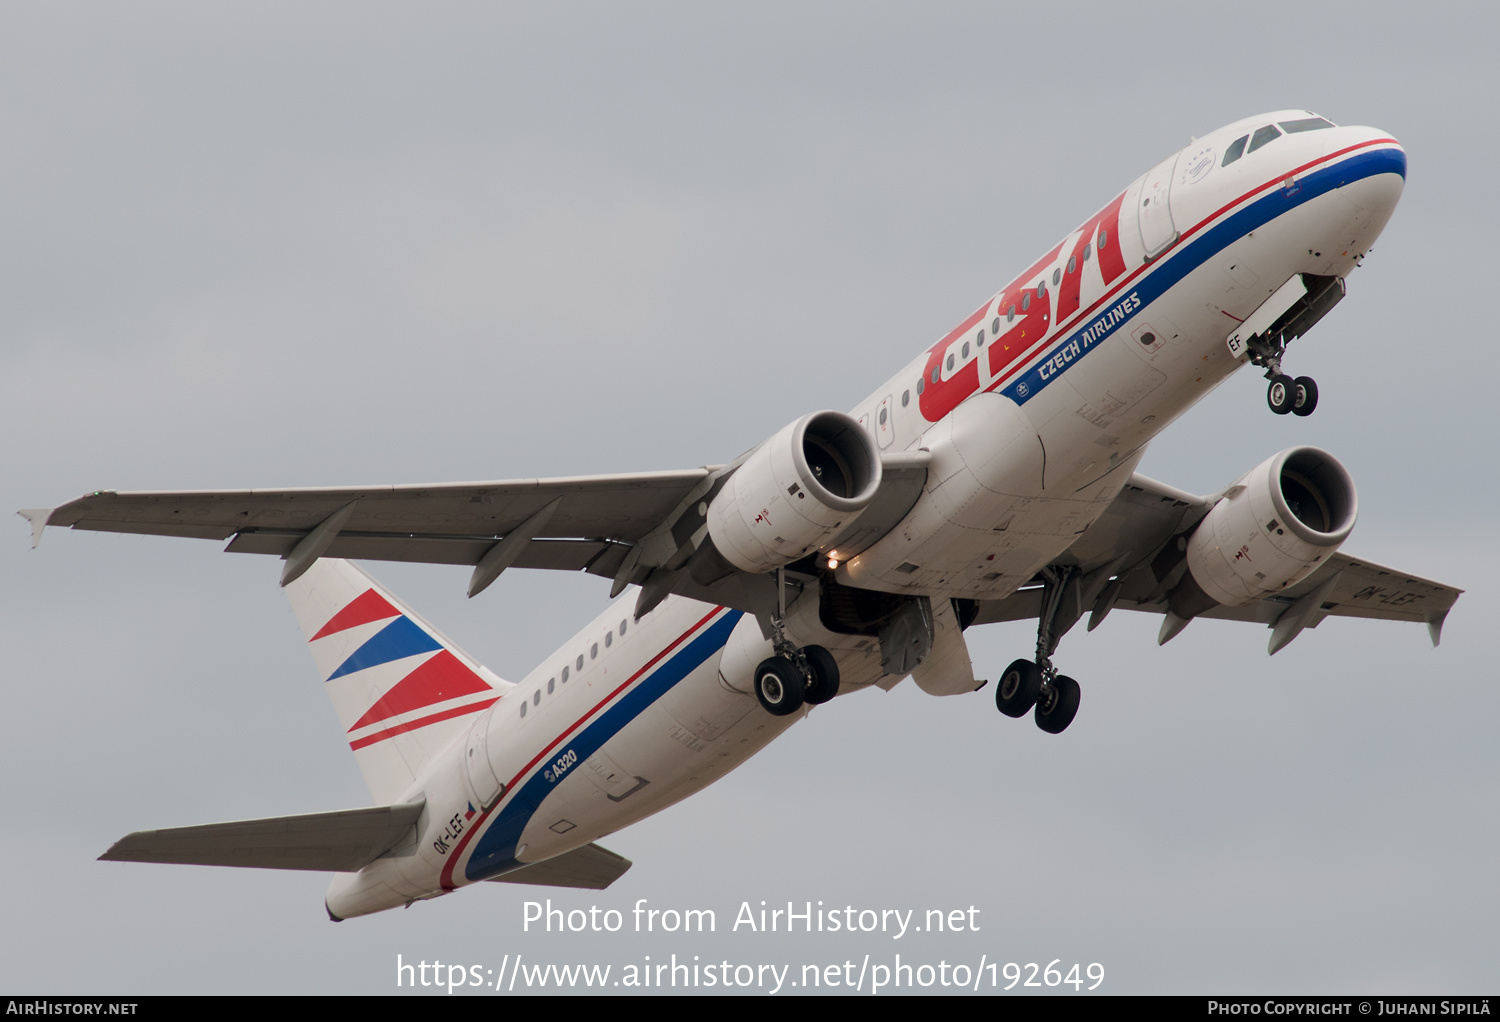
(396, 641)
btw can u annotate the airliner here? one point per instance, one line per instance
(992, 478)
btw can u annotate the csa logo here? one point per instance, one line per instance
(1022, 389)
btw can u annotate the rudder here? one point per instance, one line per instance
(402, 691)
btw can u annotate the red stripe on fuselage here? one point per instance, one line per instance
(445, 879)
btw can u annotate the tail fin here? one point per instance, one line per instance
(402, 691)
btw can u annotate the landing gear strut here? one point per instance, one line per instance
(1037, 686)
(793, 676)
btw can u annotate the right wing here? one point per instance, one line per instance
(451, 523)
(638, 529)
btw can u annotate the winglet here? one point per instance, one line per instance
(1435, 626)
(37, 516)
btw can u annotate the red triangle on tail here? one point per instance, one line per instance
(367, 607)
(439, 679)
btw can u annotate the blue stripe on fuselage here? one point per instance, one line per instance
(1185, 260)
(495, 850)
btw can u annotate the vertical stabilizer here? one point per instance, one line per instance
(401, 690)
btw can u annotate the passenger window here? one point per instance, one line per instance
(1235, 151)
(1072, 264)
(966, 350)
(580, 661)
(995, 326)
(609, 638)
(950, 365)
(1041, 288)
(622, 628)
(594, 651)
(1103, 238)
(523, 709)
(1026, 301)
(935, 371)
(1057, 274)
(921, 385)
(882, 416)
(905, 398)
(1305, 124)
(1010, 314)
(565, 675)
(536, 698)
(1263, 135)
(551, 684)
(1088, 250)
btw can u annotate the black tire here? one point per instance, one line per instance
(779, 686)
(1055, 714)
(1306, 395)
(1281, 395)
(1016, 692)
(825, 675)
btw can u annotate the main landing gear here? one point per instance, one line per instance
(1036, 687)
(787, 680)
(793, 676)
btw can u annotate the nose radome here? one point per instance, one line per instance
(1378, 166)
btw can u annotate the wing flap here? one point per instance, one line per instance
(556, 554)
(340, 842)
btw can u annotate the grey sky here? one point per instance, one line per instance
(286, 244)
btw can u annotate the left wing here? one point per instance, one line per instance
(1123, 561)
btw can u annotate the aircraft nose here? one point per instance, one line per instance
(1376, 167)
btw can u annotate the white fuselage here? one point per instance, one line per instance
(1036, 410)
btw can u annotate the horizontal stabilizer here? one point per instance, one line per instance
(589, 867)
(339, 842)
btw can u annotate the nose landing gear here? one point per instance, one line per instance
(1298, 396)
(1316, 296)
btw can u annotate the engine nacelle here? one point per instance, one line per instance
(1285, 517)
(795, 493)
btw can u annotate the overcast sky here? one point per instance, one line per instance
(281, 244)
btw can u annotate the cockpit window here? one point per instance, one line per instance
(1262, 136)
(1235, 151)
(1305, 124)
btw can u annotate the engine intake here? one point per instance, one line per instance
(1284, 518)
(795, 492)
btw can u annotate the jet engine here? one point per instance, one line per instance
(1278, 523)
(795, 493)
